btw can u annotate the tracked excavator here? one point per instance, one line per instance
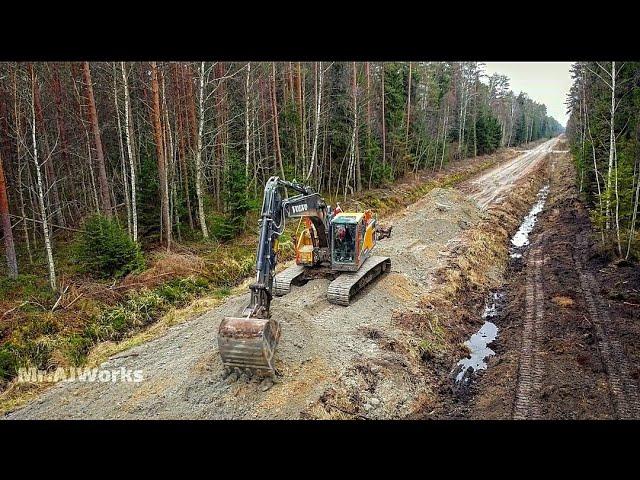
(332, 244)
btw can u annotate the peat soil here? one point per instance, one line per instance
(567, 345)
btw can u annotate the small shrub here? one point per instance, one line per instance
(105, 249)
(221, 228)
(76, 349)
(8, 366)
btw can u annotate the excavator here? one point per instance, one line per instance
(333, 243)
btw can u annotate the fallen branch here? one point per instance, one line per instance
(55, 305)
(73, 301)
(14, 308)
(49, 223)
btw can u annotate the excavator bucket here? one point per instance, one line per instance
(248, 342)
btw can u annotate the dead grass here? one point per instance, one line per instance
(18, 394)
(166, 266)
(563, 301)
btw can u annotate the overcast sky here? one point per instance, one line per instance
(544, 82)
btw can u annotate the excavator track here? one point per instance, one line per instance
(347, 285)
(283, 280)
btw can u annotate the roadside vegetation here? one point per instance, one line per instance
(604, 136)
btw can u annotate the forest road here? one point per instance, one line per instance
(490, 187)
(183, 376)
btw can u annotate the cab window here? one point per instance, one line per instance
(344, 242)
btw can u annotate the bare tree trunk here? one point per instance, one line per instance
(181, 137)
(123, 165)
(301, 115)
(9, 247)
(247, 101)
(368, 73)
(162, 166)
(314, 150)
(276, 130)
(358, 179)
(635, 212)
(43, 210)
(51, 190)
(93, 120)
(19, 139)
(612, 144)
(203, 223)
(617, 208)
(444, 135)
(62, 133)
(511, 122)
(384, 124)
(129, 136)
(169, 155)
(461, 116)
(353, 169)
(406, 138)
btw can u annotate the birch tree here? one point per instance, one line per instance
(199, 194)
(276, 129)
(247, 102)
(132, 164)
(314, 149)
(40, 189)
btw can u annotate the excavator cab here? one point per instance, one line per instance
(352, 238)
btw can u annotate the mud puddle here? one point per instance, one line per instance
(478, 345)
(520, 240)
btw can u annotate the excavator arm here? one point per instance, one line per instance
(250, 341)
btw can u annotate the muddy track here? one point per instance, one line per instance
(567, 338)
(623, 388)
(527, 403)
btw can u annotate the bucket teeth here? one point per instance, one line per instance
(248, 342)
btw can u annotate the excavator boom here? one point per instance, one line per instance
(250, 340)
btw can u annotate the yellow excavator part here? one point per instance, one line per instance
(369, 237)
(304, 248)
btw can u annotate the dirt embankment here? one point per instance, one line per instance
(476, 269)
(368, 360)
(421, 343)
(567, 346)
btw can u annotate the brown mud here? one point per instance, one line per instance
(567, 344)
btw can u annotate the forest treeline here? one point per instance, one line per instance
(177, 151)
(604, 131)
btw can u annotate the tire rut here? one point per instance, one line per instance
(623, 389)
(527, 403)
